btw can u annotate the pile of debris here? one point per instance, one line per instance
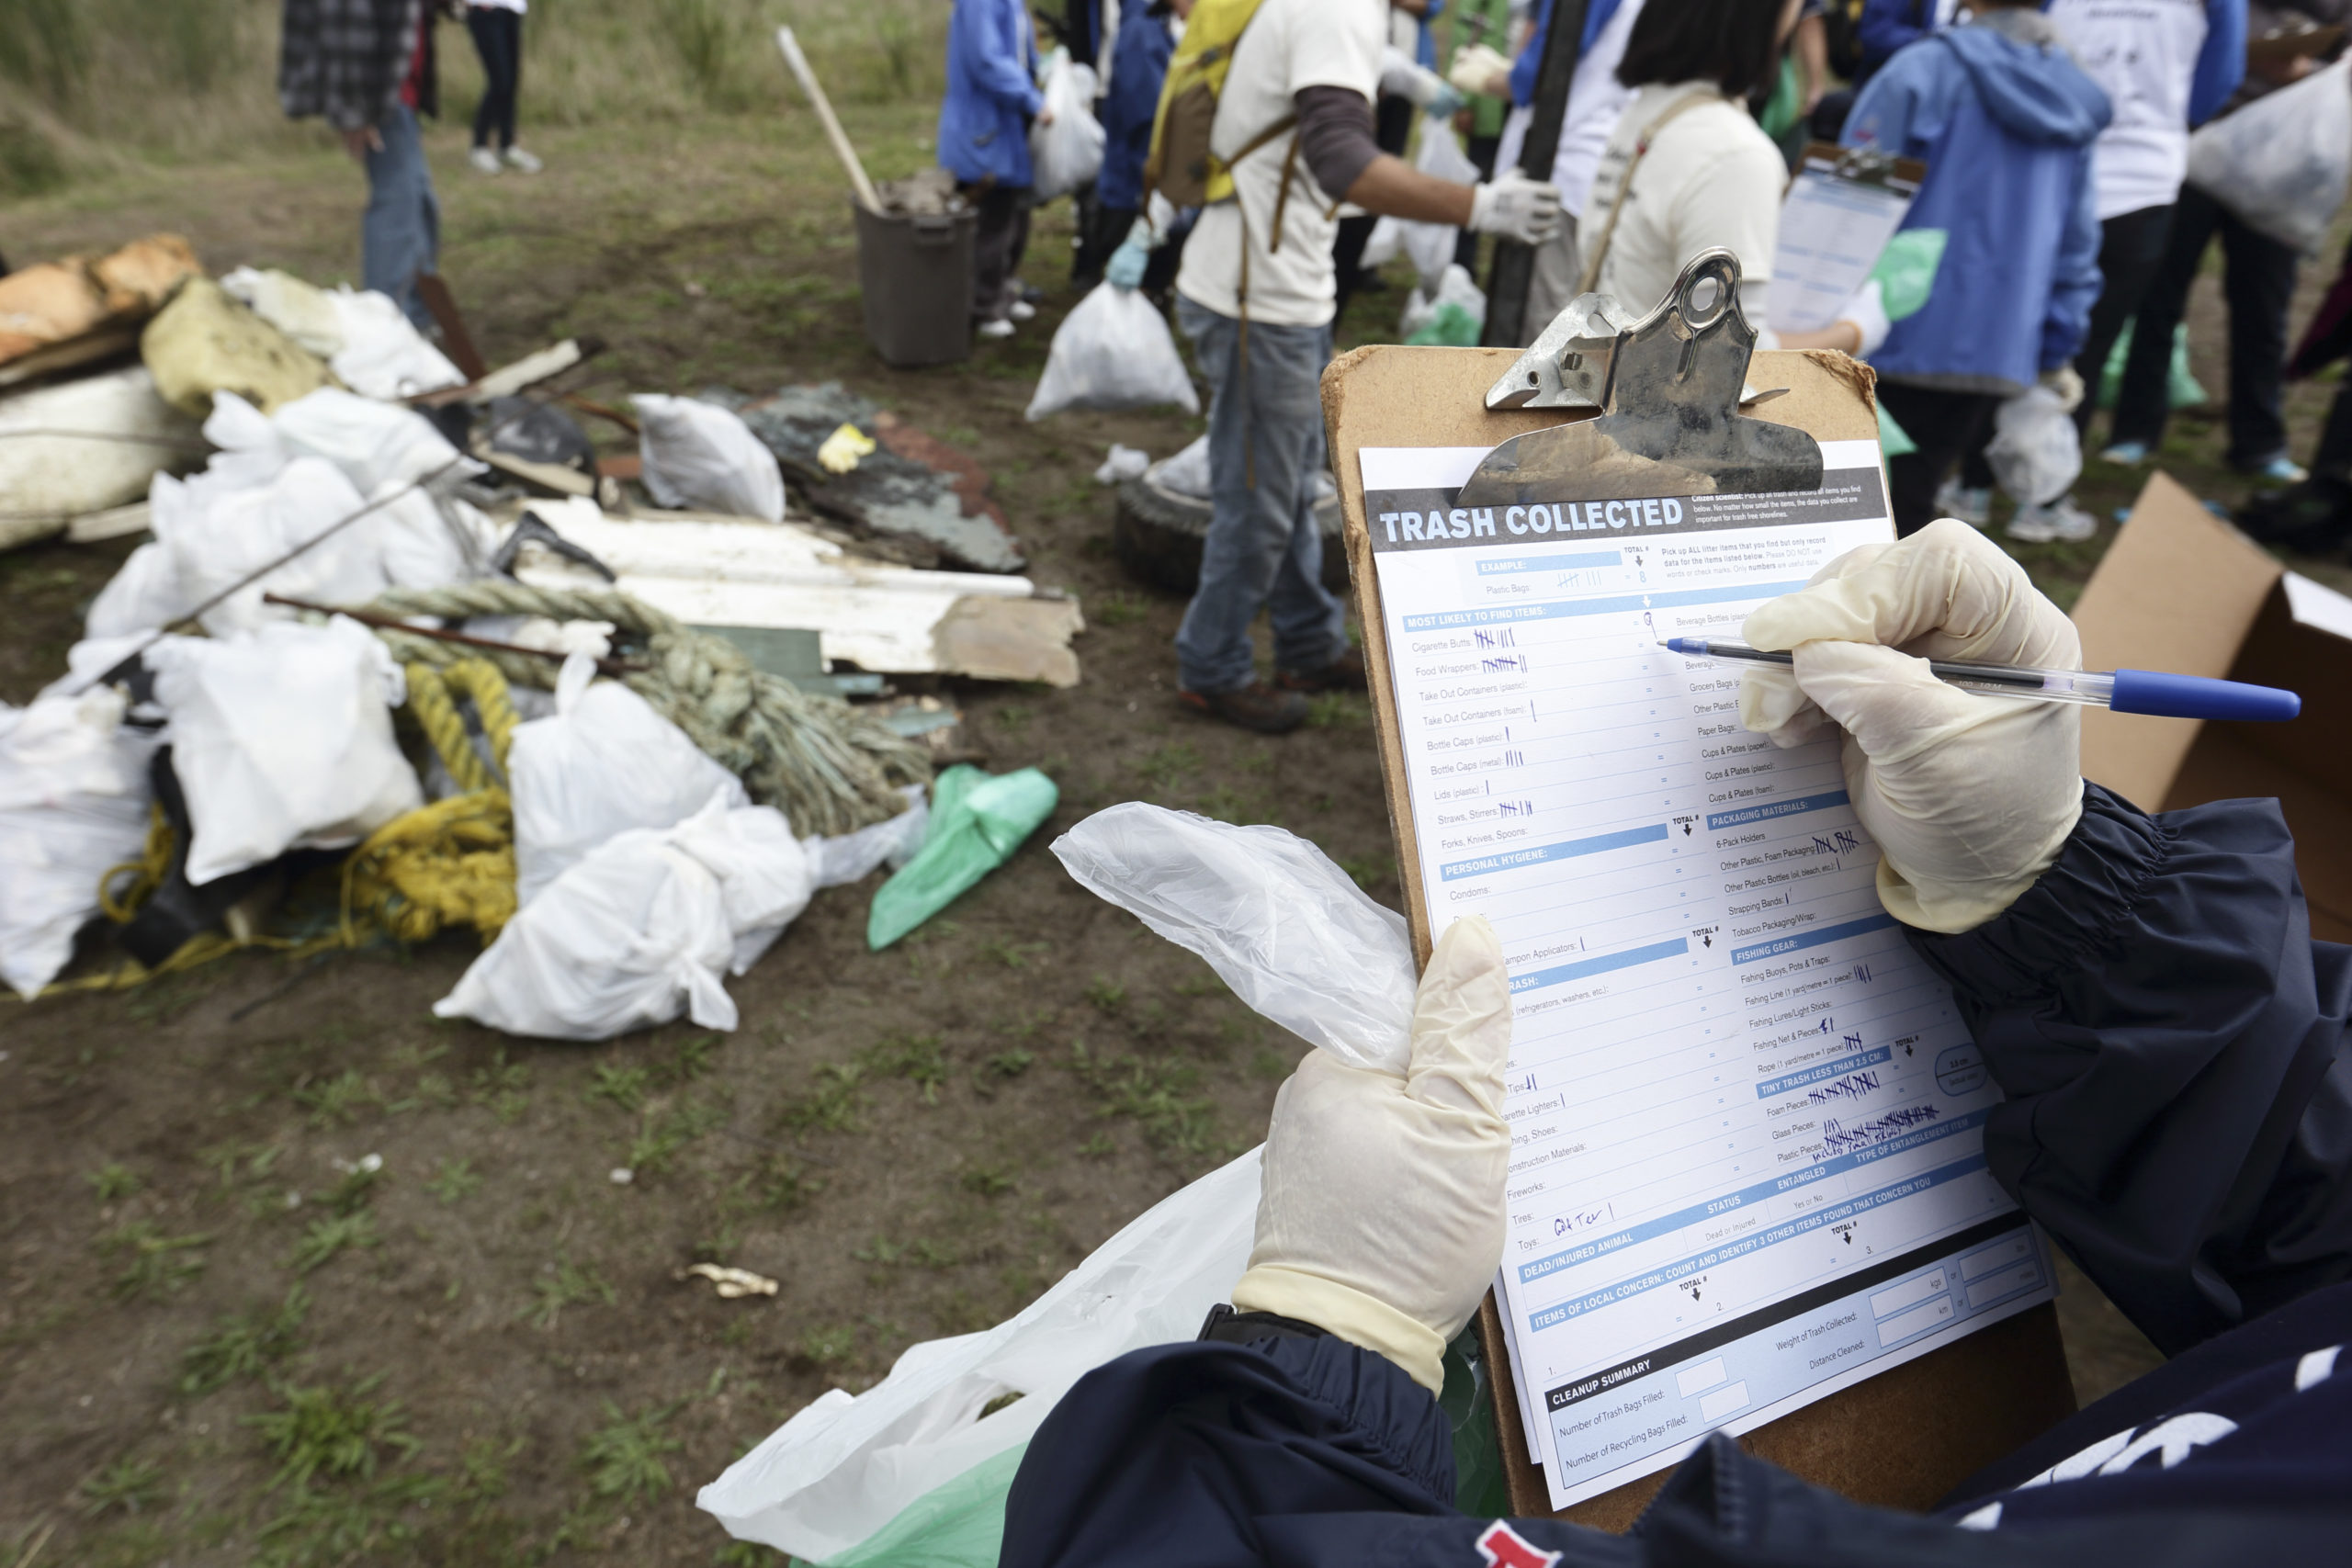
(403, 653)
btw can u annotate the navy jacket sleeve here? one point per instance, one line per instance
(2172, 1044)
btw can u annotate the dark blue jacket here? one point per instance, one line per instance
(2005, 128)
(1531, 57)
(2174, 1049)
(984, 122)
(1138, 66)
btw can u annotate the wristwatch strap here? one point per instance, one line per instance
(1242, 1328)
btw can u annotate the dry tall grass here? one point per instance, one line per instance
(89, 84)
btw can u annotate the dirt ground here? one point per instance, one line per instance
(225, 1336)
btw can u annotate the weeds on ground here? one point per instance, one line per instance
(1117, 608)
(917, 1058)
(1157, 1094)
(691, 1060)
(358, 1188)
(782, 1184)
(331, 1527)
(1007, 1064)
(331, 1432)
(112, 1182)
(452, 1179)
(1015, 954)
(987, 1181)
(1106, 994)
(560, 1284)
(126, 1486)
(255, 1158)
(337, 1101)
(244, 1344)
(622, 1458)
(920, 1253)
(501, 1087)
(832, 1105)
(325, 1239)
(155, 1264)
(829, 1347)
(663, 1134)
(1337, 710)
(623, 1086)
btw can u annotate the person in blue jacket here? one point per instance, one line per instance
(2005, 120)
(992, 99)
(1887, 26)
(1138, 66)
(2174, 1049)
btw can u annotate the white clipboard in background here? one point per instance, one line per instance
(1841, 209)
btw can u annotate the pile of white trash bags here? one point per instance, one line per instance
(915, 1468)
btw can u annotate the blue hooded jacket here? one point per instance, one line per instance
(983, 125)
(1138, 66)
(2004, 126)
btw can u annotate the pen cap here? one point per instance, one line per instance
(2197, 696)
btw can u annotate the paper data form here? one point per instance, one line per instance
(1745, 1120)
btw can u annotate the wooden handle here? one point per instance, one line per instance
(833, 133)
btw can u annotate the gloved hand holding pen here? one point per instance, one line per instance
(1382, 1216)
(1970, 798)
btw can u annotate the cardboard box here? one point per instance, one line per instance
(2182, 591)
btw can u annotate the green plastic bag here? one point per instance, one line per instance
(2181, 390)
(957, 1524)
(1452, 327)
(1906, 271)
(976, 822)
(1785, 110)
(1894, 441)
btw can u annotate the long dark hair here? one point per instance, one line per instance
(1733, 43)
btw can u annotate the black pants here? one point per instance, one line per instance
(1481, 150)
(498, 39)
(998, 241)
(2258, 281)
(2130, 248)
(1391, 127)
(1946, 427)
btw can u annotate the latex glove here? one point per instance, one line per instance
(1970, 798)
(1382, 1215)
(1125, 270)
(1516, 208)
(1865, 312)
(1475, 69)
(1402, 77)
(2067, 384)
(842, 449)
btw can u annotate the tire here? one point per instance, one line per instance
(1159, 532)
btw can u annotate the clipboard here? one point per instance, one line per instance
(1901, 1438)
(1843, 205)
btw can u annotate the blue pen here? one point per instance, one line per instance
(2127, 690)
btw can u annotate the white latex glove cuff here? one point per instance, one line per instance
(1353, 1315)
(1867, 310)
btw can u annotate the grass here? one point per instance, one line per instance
(338, 1102)
(330, 1432)
(1157, 1094)
(245, 1344)
(452, 1179)
(624, 1457)
(112, 1182)
(126, 1486)
(328, 1238)
(560, 1284)
(154, 1264)
(623, 1086)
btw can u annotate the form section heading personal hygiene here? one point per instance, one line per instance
(1747, 1164)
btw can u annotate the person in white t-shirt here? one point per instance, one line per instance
(1255, 294)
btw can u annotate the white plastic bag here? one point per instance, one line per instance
(642, 930)
(604, 764)
(1114, 352)
(2282, 163)
(73, 796)
(1122, 463)
(839, 1472)
(1067, 152)
(1457, 288)
(84, 445)
(282, 739)
(1289, 932)
(1380, 246)
(2036, 452)
(699, 455)
(1431, 246)
(365, 339)
(1187, 473)
(833, 862)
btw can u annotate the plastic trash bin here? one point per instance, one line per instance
(915, 272)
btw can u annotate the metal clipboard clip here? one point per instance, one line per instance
(1669, 386)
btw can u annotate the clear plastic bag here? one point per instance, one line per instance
(1114, 351)
(2036, 452)
(697, 454)
(2282, 163)
(1431, 246)
(604, 764)
(1289, 932)
(1067, 152)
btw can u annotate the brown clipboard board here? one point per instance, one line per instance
(1907, 1437)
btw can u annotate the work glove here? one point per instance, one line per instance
(1125, 270)
(1970, 798)
(2067, 383)
(1382, 1215)
(1401, 76)
(1867, 310)
(1475, 69)
(1516, 208)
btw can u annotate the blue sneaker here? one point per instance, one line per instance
(2280, 470)
(2126, 454)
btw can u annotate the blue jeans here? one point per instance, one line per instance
(400, 235)
(1263, 549)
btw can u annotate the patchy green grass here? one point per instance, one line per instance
(153, 1264)
(245, 1344)
(625, 1458)
(454, 1179)
(329, 1432)
(560, 1284)
(114, 1181)
(325, 1240)
(126, 1486)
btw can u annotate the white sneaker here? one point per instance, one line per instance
(1954, 499)
(2053, 522)
(1022, 311)
(999, 328)
(519, 160)
(484, 160)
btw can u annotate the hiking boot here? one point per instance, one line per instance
(1344, 674)
(1254, 706)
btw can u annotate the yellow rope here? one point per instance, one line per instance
(120, 904)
